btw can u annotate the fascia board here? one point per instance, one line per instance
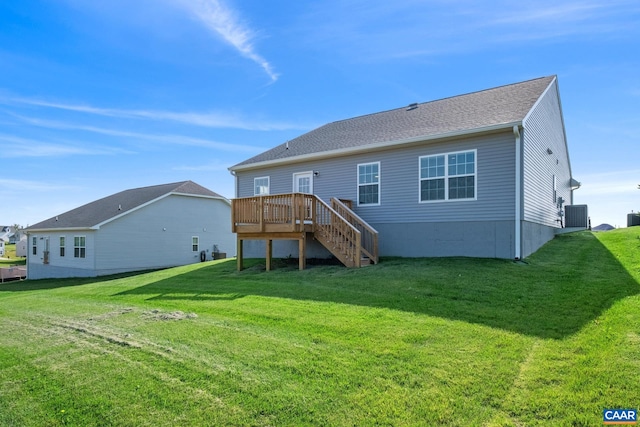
(539, 100)
(55, 230)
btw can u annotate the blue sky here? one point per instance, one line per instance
(102, 96)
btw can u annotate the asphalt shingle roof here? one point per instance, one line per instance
(101, 210)
(491, 107)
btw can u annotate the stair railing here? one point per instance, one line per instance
(341, 238)
(369, 234)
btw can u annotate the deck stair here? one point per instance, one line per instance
(296, 216)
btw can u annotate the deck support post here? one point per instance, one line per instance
(269, 254)
(302, 256)
(239, 250)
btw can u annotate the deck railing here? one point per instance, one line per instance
(280, 212)
(297, 212)
(369, 234)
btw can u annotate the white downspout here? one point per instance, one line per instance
(516, 132)
(235, 184)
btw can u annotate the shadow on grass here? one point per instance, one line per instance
(555, 293)
(41, 284)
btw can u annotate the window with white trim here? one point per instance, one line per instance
(79, 246)
(260, 185)
(61, 246)
(369, 184)
(195, 243)
(34, 245)
(555, 190)
(450, 176)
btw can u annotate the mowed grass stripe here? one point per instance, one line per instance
(406, 342)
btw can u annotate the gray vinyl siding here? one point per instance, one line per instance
(399, 181)
(543, 129)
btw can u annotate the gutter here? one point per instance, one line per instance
(46, 230)
(372, 147)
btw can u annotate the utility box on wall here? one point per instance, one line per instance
(633, 219)
(576, 216)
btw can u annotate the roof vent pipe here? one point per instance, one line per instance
(286, 146)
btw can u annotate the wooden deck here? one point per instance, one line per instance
(12, 273)
(297, 216)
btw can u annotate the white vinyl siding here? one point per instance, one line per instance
(369, 184)
(450, 176)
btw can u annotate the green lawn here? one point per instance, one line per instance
(455, 341)
(9, 258)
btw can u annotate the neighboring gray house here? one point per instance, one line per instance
(21, 246)
(138, 229)
(486, 174)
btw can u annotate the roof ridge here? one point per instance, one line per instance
(479, 109)
(442, 99)
(108, 207)
(181, 183)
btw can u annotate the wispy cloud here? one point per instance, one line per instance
(26, 147)
(207, 119)
(165, 139)
(26, 185)
(550, 13)
(553, 20)
(412, 28)
(209, 167)
(609, 183)
(225, 22)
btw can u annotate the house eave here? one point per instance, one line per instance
(374, 147)
(57, 229)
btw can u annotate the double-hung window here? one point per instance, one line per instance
(195, 243)
(79, 246)
(449, 176)
(261, 186)
(61, 246)
(369, 184)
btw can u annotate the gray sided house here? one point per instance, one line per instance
(486, 174)
(138, 229)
